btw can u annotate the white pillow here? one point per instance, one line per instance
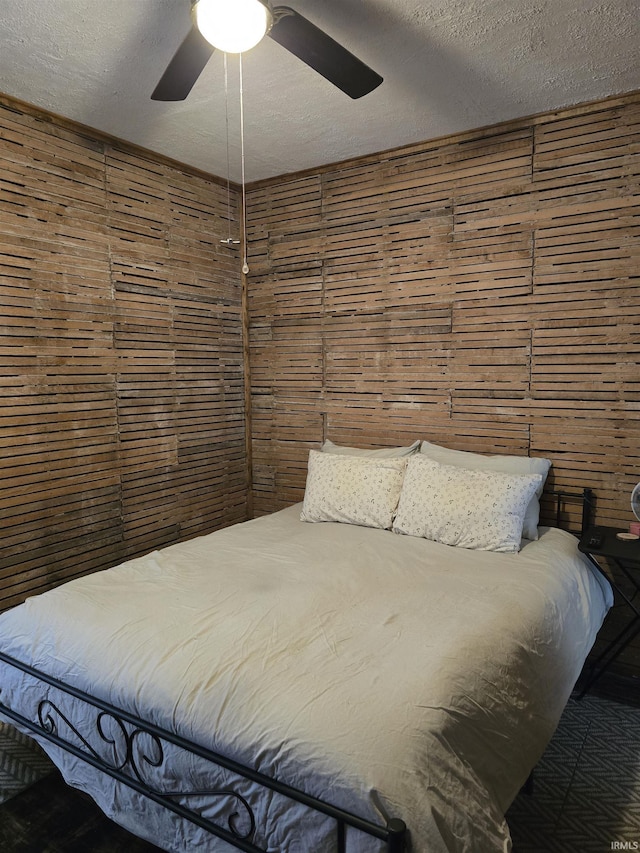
(483, 510)
(381, 453)
(520, 465)
(352, 489)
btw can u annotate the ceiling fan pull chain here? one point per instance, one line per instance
(229, 241)
(245, 265)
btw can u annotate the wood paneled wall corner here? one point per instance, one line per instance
(121, 354)
(480, 291)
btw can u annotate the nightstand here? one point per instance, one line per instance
(624, 559)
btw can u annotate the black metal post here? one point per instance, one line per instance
(587, 506)
(397, 830)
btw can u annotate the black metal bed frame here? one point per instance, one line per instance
(131, 754)
(560, 497)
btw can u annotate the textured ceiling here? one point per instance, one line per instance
(448, 66)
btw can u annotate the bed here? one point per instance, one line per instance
(387, 680)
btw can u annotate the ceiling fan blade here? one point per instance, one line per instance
(318, 50)
(184, 69)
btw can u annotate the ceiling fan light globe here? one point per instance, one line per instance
(232, 26)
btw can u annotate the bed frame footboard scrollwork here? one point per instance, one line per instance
(127, 748)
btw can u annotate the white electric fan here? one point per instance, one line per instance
(635, 501)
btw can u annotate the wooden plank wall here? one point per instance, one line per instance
(480, 291)
(121, 374)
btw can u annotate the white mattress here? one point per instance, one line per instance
(368, 668)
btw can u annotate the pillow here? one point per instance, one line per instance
(483, 510)
(352, 489)
(506, 464)
(382, 453)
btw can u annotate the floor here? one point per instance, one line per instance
(49, 817)
(586, 794)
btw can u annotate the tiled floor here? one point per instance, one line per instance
(586, 794)
(22, 762)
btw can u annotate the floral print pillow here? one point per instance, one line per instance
(352, 489)
(481, 510)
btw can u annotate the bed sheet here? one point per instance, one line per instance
(385, 673)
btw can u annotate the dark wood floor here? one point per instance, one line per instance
(50, 817)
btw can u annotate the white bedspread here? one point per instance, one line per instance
(363, 666)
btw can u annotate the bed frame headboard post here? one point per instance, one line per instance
(587, 508)
(586, 497)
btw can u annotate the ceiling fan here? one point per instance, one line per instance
(211, 29)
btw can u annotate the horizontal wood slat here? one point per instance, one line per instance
(121, 357)
(480, 291)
